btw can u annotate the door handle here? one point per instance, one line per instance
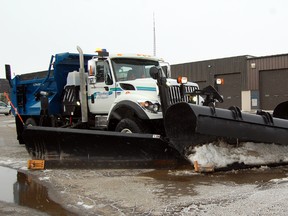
(106, 88)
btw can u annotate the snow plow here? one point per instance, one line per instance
(92, 148)
(125, 110)
(188, 125)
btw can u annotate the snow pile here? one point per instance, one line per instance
(279, 181)
(222, 154)
(13, 163)
(85, 205)
(44, 178)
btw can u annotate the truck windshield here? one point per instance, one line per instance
(130, 69)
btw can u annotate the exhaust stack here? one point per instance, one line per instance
(83, 94)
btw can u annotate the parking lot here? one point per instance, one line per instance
(261, 191)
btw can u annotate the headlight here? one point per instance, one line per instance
(153, 107)
(193, 99)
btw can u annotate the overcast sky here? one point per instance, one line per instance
(186, 30)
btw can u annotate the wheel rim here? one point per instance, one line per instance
(126, 130)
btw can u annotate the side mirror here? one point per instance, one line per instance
(154, 72)
(165, 69)
(108, 80)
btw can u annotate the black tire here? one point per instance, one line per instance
(19, 130)
(30, 122)
(132, 126)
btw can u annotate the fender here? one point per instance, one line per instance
(124, 109)
(129, 105)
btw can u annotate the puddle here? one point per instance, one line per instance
(183, 182)
(8, 179)
(19, 188)
(248, 176)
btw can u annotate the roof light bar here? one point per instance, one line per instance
(102, 52)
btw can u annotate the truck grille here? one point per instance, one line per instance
(70, 98)
(175, 96)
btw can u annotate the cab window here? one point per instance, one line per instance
(103, 73)
(130, 69)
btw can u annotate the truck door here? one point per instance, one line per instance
(100, 87)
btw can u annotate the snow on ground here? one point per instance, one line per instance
(268, 199)
(13, 163)
(221, 154)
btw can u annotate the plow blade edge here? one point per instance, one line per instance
(98, 148)
(189, 125)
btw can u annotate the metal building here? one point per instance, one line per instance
(249, 82)
(268, 76)
(231, 70)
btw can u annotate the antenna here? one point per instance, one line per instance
(154, 36)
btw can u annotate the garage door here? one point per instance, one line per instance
(230, 90)
(273, 88)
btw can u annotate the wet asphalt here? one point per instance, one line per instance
(181, 191)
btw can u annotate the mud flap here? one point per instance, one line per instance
(188, 125)
(68, 147)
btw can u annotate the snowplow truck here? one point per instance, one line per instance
(126, 108)
(106, 95)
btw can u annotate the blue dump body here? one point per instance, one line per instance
(26, 88)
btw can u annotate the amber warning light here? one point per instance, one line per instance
(102, 52)
(219, 81)
(182, 80)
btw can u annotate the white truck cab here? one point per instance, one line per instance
(121, 92)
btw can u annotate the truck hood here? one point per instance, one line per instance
(148, 84)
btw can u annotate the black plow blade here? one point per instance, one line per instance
(66, 147)
(190, 125)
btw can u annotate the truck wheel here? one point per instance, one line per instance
(19, 130)
(131, 126)
(30, 122)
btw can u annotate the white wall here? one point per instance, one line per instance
(246, 101)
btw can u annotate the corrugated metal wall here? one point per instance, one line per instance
(206, 71)
(273, 88)
(255, 65)
(232, 70)
(261, 75)
(230, 90)
(268, 75)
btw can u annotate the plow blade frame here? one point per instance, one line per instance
(66, 147)
(189, 125)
